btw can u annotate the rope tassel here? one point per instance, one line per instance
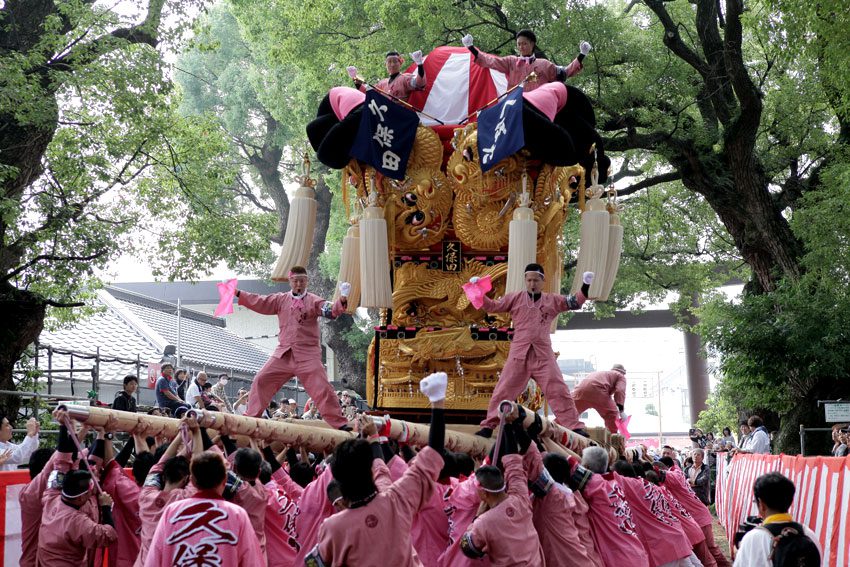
(522, 242)
(349, 267)
(376, 289)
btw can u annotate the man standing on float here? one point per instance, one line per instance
(397, 84)
(298, 352)
(531, 355)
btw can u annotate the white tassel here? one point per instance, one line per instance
(522, 242)
(349, 267)
(593, 250)
(375, 288)
(298, 239)
(615, 249)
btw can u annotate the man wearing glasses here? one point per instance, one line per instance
(299, 351)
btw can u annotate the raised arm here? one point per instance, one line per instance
(486, 60)
(574, 302)
(262, 304)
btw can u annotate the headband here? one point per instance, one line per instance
(490, 490)
(66, 495)
(538, 272)
(294, 275)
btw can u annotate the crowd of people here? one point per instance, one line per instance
(203, 498)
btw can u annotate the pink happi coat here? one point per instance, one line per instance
(553, 517)
(354, 536)
(460, 504)
(281, 511)
(204, 530)
(31, 508)
(660, 531)
(152, 501)
(125, 511)
(314, 508)
(67, 535)
(612, 526)
(506, 534)
(517, 69)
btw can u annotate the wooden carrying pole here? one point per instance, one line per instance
(314, 437)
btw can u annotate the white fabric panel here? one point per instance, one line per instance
(500, 80)
(449, 96)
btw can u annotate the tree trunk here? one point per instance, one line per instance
(23, 320)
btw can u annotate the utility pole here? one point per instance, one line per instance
(658, 394)
(179, 318)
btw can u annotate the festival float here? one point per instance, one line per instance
(467, 178)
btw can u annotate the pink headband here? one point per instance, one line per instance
(541, 274)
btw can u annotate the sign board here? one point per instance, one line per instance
(838, 412)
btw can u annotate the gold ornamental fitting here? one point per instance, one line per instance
(306, 165)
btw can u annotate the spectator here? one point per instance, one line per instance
(166, 390)
(193, 394)
(125, 399)
(13, 453)
(220, 393)
(180, 376)
(668, 451)
(241, 403)
(727, 437)
(758, 441)
(744, 429)
(698, 475)
(774, 494)
(841, 439)
(293, 409)
(208, 400)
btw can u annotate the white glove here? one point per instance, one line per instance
(623, 416)
(466, 40)
(434, 386)
(584, 47)
(352, 71)
(344, 289)
(474, 279)
(587, 278)
(417, 57)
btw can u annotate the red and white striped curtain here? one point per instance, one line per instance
(821, 502)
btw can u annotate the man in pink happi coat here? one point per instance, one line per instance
(529, 61)
(68, 533)
(166, 482)
(283, 495)
(299, 352)
(398, 85)
(660, 532)
(250, 494)
(675, 481)
(460, 504)
(505, 532)
(531, 355)
(30, 502)
(554, 510)
(610, 515)
(694, 533)
(596, 391)
(353, 536)
(205, 529)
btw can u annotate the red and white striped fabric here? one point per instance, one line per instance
(821, 502)
(456, 86)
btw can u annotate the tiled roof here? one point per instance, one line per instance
(203, 342)
(132, 325)
(107, 331)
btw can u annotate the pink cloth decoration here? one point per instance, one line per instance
(548, 98)
(475, 291)
(226, 293)
(344, 99)
(623, 427)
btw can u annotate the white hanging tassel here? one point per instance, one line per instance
(522, 241)
(349, 267)
(615, 249)
(375, 288)
(593, 249)
(300, 224)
